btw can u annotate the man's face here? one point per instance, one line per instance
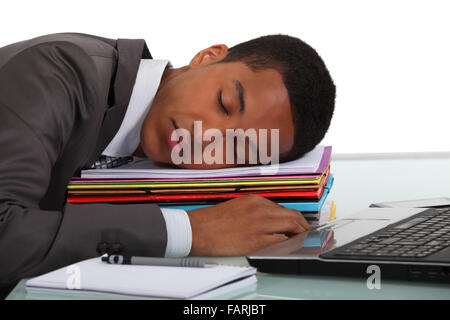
(222, 96)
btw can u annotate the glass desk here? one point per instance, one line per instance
(358, 183)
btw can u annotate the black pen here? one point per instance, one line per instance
(151, 261)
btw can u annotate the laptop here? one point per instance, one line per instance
(405, 243)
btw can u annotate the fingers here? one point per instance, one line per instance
(286, 225)
(296, 215)
(266, 208)
(271, 239)
(301, 219)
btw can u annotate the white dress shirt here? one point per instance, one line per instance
(126, 140)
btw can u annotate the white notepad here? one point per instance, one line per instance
(146, 281)
(147, 168)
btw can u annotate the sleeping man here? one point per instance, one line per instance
(69, 99)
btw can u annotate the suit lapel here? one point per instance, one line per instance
(130, 52)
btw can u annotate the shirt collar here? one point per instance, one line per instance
(145, 87)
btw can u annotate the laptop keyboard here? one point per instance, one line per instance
(418, 237)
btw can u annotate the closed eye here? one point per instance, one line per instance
(220, 103)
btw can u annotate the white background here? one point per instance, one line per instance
(390, 59)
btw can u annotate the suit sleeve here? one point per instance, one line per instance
(45, 93)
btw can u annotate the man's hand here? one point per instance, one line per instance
(242, 225)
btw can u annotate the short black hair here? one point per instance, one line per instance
(308, 82)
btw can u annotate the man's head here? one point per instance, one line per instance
(272, 82)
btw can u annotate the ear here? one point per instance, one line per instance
(209, 55)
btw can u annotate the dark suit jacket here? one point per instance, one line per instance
(62, 99)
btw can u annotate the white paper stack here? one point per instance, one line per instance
(155, 282)
(147, 168)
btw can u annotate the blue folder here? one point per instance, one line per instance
(313, 206)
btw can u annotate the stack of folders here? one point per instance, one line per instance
(302, 184)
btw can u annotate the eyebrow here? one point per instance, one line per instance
(240, 91)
